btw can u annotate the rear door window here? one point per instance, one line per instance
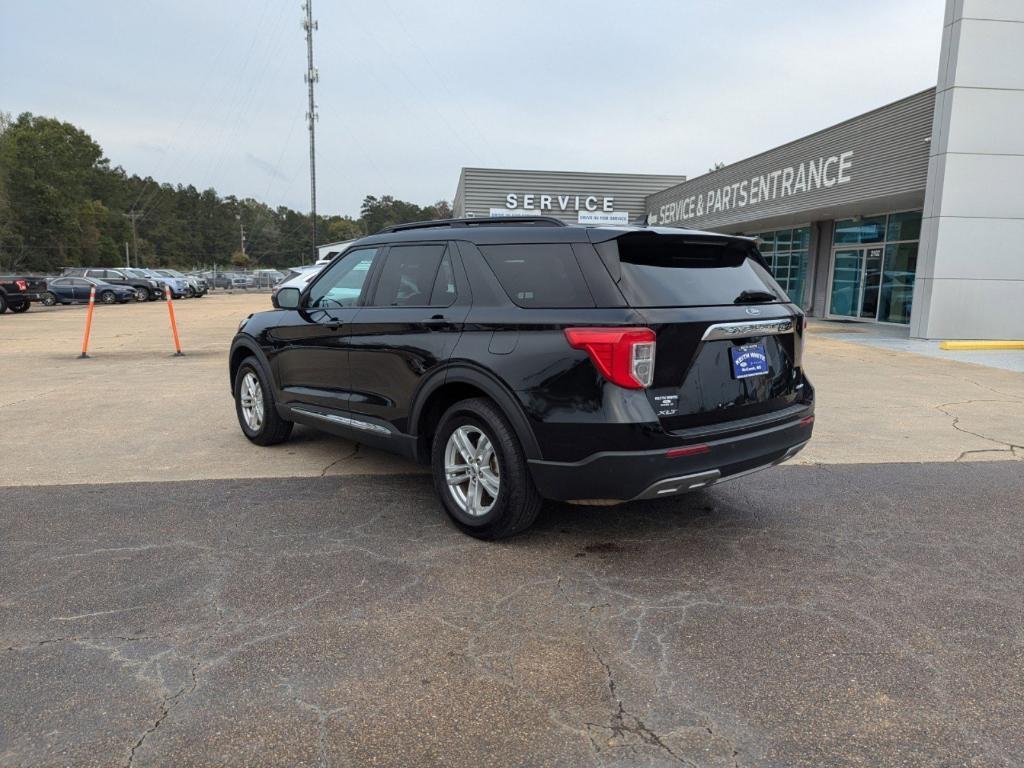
(539, 275)
(444, 291)
(408, 276)
(669, 271)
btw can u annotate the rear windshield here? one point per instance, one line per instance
(539, 275)
(665, 271)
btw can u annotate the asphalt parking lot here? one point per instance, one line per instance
(171, 595)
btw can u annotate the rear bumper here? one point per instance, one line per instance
(624, 476)
(22, 296)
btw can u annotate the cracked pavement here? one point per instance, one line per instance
(838, 615)
(859, 606)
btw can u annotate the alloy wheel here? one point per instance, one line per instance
(251, 396)
(471, 470)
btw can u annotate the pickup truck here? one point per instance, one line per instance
(18, 292)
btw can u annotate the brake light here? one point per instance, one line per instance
(22, 285)
(624, 356)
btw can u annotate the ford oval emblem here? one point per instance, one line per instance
(752, 311)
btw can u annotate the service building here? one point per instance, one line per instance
(911, 214)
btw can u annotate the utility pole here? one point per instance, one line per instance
(127, 261)
(312, 76)
(133, 215)
(241, 234)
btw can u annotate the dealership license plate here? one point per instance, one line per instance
(748, 361)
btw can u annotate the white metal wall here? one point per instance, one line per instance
(970, 272)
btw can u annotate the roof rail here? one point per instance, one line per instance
(500, 221)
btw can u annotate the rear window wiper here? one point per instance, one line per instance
(753, 297)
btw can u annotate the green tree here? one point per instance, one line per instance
(47, 169)
(61, 203)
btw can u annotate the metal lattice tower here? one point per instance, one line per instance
(311, 77)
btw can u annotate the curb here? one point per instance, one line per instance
(981, 345)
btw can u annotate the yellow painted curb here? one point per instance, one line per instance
(981, 345)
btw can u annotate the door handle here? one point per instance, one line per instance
(333, 326)
(436, 320)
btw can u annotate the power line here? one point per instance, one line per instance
(312, 76)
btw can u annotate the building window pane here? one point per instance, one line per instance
(797, 273)
(866, 230)
(801, 239)
(783, 239)
(898, 282)
(904, 226)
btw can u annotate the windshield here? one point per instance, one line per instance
(669, 271)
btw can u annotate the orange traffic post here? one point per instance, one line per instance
(174, 325)
(88, 323)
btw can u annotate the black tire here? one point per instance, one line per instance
(108, 297)
(50, 299)
(273, 428)
(141, 293)
(518, 503)
(3, 303)
(190, 292)
(19, 308)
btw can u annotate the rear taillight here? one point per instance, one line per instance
(624, 356)
(22, 285)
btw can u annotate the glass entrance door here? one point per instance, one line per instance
(856, 278)
(847, 282)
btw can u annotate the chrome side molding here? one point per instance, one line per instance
(743, 328)
(344, 421)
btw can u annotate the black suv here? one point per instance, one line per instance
(526, 359)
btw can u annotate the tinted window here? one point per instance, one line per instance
(407, 278)
(444, 292)
(667, 271)
(342, 283)
(539, 275)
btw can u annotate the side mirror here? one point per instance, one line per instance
(288, 298)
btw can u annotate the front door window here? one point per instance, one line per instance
(341, 285)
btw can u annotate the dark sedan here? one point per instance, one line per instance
(76, 290)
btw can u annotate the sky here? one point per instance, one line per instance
(211, 93)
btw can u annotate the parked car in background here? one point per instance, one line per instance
(297, 277)
(76, 290)
(233, 281)
(178, 285)
(526, 359)
(193, 288)
(17, 292)
(267, 278)
(202, 284)
(145, 287)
